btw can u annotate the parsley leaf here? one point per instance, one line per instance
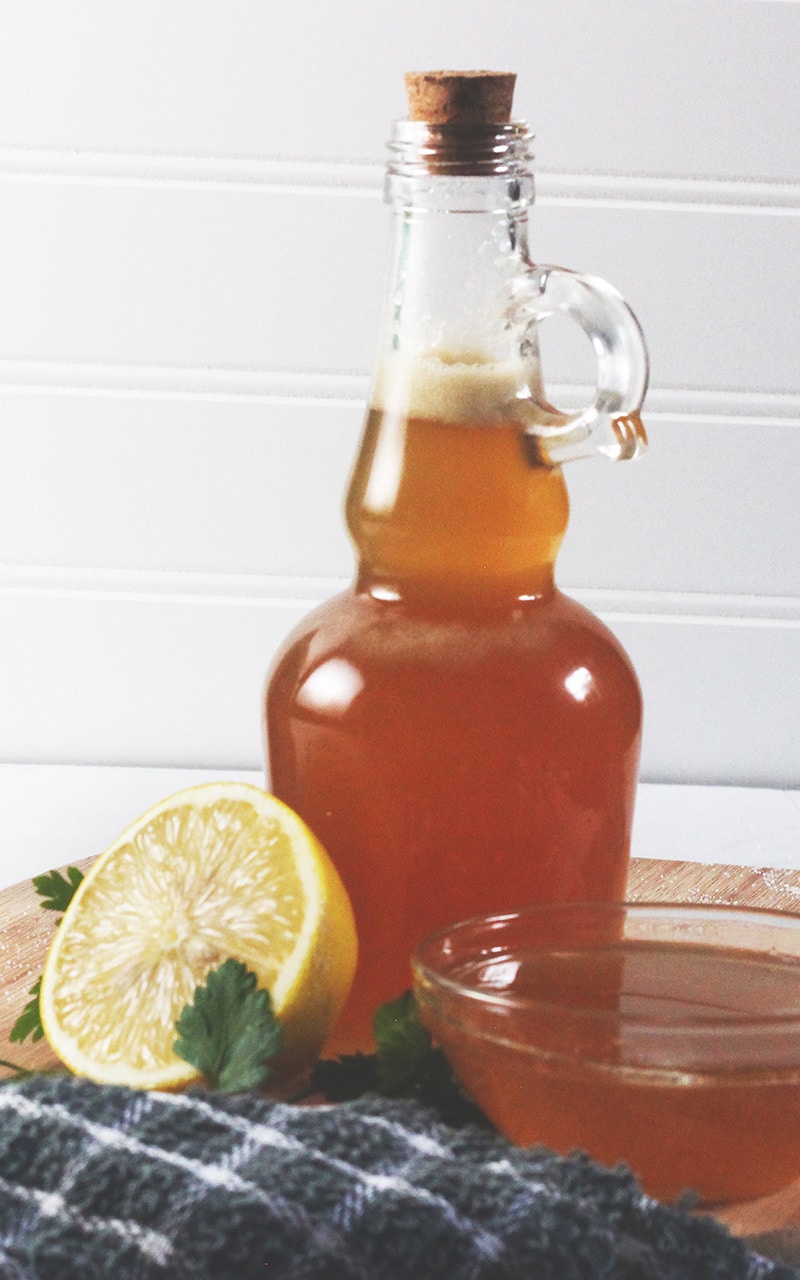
(55, 890)
(29, 1022)
(402, 1044)
(229, 1031)
(341, 1079)
(405, 1064)
(410, 1066)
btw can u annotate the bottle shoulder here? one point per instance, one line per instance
(374, 633)
(547, 668)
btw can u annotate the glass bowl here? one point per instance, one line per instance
(666, 1036)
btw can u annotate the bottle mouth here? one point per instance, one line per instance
(417, 148)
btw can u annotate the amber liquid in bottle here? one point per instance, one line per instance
(459, 735)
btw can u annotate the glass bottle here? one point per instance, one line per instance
(460, 735)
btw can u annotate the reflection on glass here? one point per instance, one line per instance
(579, 683)
(500, 975)
(331, 687)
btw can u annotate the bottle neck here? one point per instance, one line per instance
(444, 503)
(451, 284)
(460, 198)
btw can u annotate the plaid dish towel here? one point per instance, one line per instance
(98, 1181)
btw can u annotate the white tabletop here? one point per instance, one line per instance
(55, 814)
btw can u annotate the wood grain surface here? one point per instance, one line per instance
(773, 1223)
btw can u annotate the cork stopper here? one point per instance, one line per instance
(460, 97)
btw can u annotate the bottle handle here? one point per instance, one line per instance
(611, 424)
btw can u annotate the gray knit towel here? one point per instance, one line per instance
(98, 1181)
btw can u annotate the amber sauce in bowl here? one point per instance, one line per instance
(663, 1036)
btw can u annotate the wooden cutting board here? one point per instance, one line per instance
(26, 930)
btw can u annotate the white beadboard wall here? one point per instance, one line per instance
(192, 248)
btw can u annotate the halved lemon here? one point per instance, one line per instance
(216, 871)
